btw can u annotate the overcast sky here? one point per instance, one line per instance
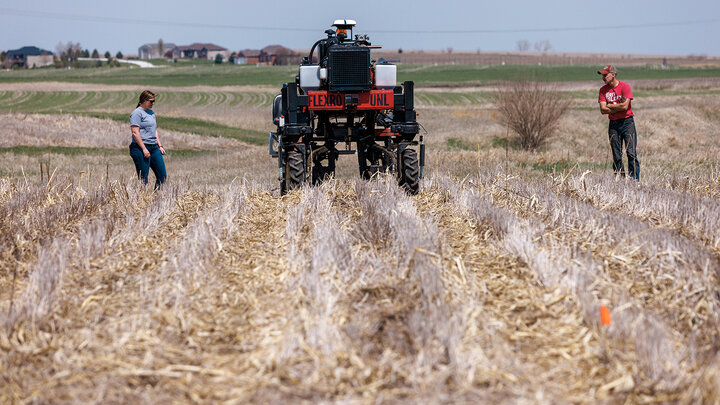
(642, 26)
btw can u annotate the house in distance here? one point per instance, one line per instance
(154, 51)
(203, 51)
(269, 55)
(28, 57)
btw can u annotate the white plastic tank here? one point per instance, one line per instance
(385, 76)
(310, 77)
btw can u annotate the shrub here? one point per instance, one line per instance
(532, 110)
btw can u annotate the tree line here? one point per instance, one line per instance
(67, 54)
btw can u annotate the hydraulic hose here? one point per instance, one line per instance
(312, 50)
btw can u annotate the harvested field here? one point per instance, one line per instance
(215, 106)
(486, 289)
(79, 131)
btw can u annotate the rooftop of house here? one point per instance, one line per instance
(168, 45)
(198, 46)
(249, 53)
(278, 50)
(28, 51)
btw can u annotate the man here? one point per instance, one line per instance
(616, 101)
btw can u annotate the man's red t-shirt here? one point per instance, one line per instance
(614, 95)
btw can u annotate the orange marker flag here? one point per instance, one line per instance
(605, 318)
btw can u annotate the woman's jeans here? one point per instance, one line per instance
(621, 132)
(154, 162)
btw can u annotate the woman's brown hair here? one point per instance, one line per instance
(145, 95)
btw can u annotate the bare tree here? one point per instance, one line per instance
(74, 50)
(532, 110)
(161, 47)
(60, 50)
(69, 51)
(523, 45)
(543, 46)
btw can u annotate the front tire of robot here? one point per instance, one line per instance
(294, 172)
(409, 171)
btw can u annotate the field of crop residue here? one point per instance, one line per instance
(486, 287)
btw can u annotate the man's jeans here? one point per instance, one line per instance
(154, 162)
(622, 132)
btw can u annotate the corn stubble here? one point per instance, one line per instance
(486, 289)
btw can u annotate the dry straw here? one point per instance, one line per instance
(479, 289)
(485, 289)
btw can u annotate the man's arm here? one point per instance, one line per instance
(604, 108)
(620, 107)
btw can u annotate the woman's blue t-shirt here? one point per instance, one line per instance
(145, 120)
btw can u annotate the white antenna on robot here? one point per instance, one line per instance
(344, 24)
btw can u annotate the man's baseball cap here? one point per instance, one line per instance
(607, 69)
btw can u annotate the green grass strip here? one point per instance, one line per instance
(204, 74)
(457, 143)
(462, 75)
(563, 165)
(179, 74)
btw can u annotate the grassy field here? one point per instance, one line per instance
(423, 75)
(201, 74)
(442, 75)
(486, 287)
(197, 126)
(109, 104)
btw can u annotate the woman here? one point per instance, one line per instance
(145, 148)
